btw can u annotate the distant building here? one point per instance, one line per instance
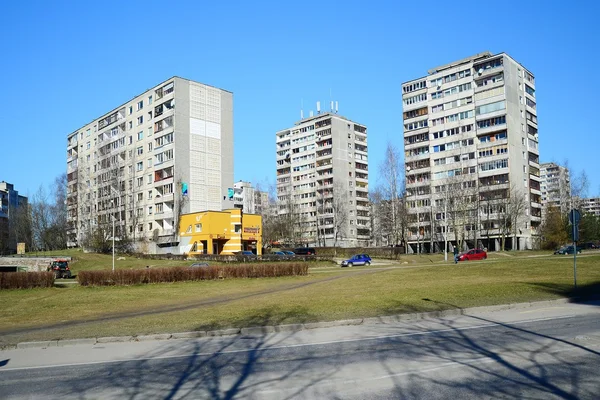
(166, 152)
(323, 180)
(249, 199)
(220, 232)
(555, 186)
(591, 206)
(11, 202)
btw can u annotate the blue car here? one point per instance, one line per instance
(359, 259)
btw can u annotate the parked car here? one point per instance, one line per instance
(359, 259)
(474, 254)
(279, 253)
(60, 269)
(245, 253)
(588, 246)
(568, 250)
(289, 253)
(305, 251)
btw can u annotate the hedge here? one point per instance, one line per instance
(179, 274)
(26, 280)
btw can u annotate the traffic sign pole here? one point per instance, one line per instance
(574, 217)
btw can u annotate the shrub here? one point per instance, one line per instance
(26, 280)
(180, 274)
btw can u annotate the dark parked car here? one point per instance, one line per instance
(305, 251)
(359, 259)
(568, 250)
(60, 269)
(245, 253)
(288, 253)
(474, 254)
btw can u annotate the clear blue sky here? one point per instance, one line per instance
(67, 62)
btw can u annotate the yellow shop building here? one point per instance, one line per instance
(220, 232)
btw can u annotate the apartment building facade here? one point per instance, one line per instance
(164, 153)
(471, 145)
(11, 203)
(555, 186)
(322, 180)
(249, 199)
(591, 206)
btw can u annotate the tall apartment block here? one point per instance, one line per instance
(322, 179)
(164, 153)
(555, 186)
(471, 142)
(11, 202)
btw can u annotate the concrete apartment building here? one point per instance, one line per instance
(322, 179)
(591, 206)
(162, 154)
(249, 199)
(555, 186)
(471, 142)
(11, 202)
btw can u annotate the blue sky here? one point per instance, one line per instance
(67, 62)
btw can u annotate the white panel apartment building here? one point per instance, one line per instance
(470, 135)
(166, 152)
(556, 187)
(249, 199)
(322, 178)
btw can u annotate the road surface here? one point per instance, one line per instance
(540, 352)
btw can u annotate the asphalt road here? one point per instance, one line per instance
(542, 352)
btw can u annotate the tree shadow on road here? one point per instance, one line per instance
(221, 367)
(505, 363)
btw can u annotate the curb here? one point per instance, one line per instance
(261, 330)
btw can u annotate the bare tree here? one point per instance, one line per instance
(339, 206)
(389, 195)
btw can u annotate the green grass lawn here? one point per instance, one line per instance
(416, 283)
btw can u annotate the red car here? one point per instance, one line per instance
(475, 254)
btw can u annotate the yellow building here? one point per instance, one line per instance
(220, 232)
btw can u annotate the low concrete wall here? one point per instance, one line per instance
(33, 264)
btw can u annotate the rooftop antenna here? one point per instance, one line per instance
(336, 107)
(301, 108)
(318, 107)
(311, 113)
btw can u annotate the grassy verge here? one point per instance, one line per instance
(331, 294)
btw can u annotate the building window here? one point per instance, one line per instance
(149, 179)
(130, 110)
(149, 226)
(130, 124)
(140, 150)
(149, 194)
(139, 166)
(140, 196)
(149, 100)
(140, 135)
(149, 210)
(198, 228)
(140, 120)
(189, 229)
(149, 164)
(140, 105)
(140, 182)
